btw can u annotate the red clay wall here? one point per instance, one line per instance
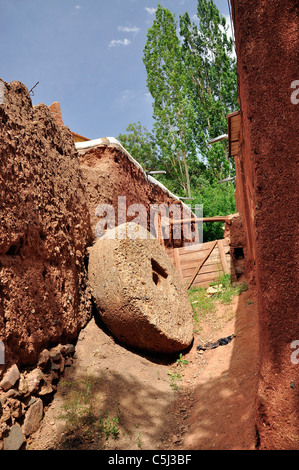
(108, 174)
(245, 204)
(267, 46)
(56, 112)
(44, 231)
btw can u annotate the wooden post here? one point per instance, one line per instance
(223, 257)
(158, 228)
(177, 262)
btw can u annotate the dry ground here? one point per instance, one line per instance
(130, 401)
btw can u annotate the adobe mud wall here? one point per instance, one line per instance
(48, 197)
(108, 174)
(44, 231)
(245, 204)
(267, 44)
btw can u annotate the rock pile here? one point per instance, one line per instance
(23, 395)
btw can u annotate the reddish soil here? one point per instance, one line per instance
(213, 408)
(267, 42)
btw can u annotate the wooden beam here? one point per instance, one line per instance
(201, 264)
(204, 219)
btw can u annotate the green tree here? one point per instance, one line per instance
(173, 113)
(140, 143)
(207, 53)
(191, 75)
(217, 199)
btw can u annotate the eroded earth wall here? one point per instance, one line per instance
(44, 230)
(111, 178)
(267, 45)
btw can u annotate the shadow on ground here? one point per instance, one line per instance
(117, 399)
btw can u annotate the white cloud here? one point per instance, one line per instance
(127, 95)
(77, 10)
(128, 29)
(119, 42)
(134, 98)
(148, 97)
(150, 11)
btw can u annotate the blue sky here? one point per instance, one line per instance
(86, 54)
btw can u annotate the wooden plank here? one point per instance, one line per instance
(195, 261)
(203, 250)
(204, 278)
(208, 264)
(234, 131)
(223, 257)
(201, 278)
(195, 248)
(201, 264)
(195, 254)
(198, 248)
(208, 275)
(215, 268)
(177, 262)
(201, 219)
(211, 268)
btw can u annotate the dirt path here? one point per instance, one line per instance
(150, 404)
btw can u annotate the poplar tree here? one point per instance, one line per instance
(172, 111)
(207, 52)
(191, 75)
(141, 144)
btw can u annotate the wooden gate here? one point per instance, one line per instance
(201, 264)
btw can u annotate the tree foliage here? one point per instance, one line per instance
(173, 113)
(211, 71)
(141, 144)
(191, 75)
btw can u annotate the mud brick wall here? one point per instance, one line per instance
(267, 45)
(44, 230)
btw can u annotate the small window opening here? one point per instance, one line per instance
(239, 253)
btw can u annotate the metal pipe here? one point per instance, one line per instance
(219, 138)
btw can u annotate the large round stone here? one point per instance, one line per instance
(138, 292)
